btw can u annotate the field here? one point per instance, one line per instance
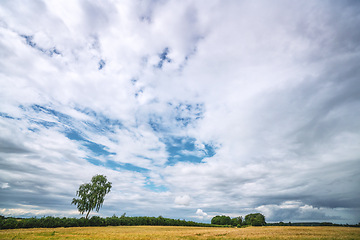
(159, 232)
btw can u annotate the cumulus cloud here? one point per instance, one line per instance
(201, 214)
(183, 200)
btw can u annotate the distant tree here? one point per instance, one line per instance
(91, 195)
(255, 219)
(221, 220)
(237, 221)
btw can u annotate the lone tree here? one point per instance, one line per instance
(91, 195)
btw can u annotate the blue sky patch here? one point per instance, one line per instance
(34, 129)
(102, 124)
(126, 166)
(45, 124)
(156, 124)
(163, 58)
(188, 113)
(97, 149)
(95, 161)
(62, 118)
(101, 64)
(49, 52)
(29, 40)
(137, 94)
(155, 188)
(116, 166)
(134, 80)
(5, 115)
(184, 150)
(73, 135)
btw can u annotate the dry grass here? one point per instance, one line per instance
(152, 232)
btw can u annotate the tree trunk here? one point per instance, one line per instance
(87, 215)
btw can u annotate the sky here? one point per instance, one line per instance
(191, 109)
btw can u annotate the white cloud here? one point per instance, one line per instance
(183, 200)
(201, 214)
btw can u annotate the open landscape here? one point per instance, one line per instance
(167, 232)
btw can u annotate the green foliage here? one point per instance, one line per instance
(47, 222)
(83, 222)
(237, 221)
(28, 223)
(91, 195)
(9, 223)
(221, 220)
(54, 222)
(97, 221)
(226, 220)
(255, 219)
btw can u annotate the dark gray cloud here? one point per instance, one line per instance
(8, 147)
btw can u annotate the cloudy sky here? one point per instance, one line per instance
(190, 108)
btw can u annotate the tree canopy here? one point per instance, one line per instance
(226, 220)
(255, 219)
(221, 220)
(91, 195)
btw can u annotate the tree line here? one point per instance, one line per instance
(218, 221)
(312, 224)
(55, 222)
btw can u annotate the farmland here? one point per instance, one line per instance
(167, 232)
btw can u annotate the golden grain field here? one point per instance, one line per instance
(159, 232)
